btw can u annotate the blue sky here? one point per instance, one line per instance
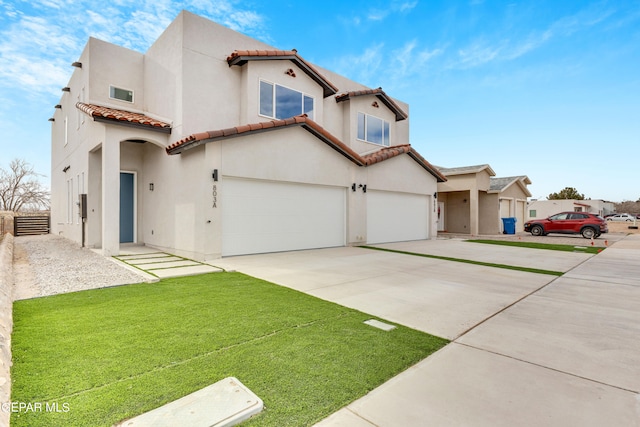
(547, 89)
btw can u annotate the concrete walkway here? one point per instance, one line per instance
(161, 264)
(528, 349)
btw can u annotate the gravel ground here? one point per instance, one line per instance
(48, 265)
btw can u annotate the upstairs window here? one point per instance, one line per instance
(373, 129)
(121, 94)
(280, 102)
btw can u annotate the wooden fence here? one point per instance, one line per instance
(30, 225)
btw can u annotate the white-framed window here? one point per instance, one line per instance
(280, 102)
(373, 129)
(120, 94)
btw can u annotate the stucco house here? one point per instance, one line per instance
(474, 201)
(213, 144)
(546, 208)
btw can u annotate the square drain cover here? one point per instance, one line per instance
(380, 325)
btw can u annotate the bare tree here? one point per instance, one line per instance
(20, 189)
(627, 206)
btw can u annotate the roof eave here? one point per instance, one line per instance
(160, 129)
(327, 88)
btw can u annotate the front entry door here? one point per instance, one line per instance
(127, 214)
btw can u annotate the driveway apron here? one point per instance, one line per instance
(528, 349)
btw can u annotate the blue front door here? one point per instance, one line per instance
(126, 207)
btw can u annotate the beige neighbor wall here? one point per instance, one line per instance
(489, 214)
(6, 321)
(457, 212)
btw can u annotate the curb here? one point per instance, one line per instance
(6, 322)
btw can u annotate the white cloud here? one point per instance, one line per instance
(38, 42)
(396, 6)
(405, 6)
(364, 66)
(478, 53)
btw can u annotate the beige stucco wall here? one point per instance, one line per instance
(185, 80)
(489, 215)
(545, 208)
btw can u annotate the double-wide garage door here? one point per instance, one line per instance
(267, 216)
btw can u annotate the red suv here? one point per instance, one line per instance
(591, 226)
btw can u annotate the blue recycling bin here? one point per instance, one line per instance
(509, 225)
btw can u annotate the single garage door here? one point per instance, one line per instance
(396, 217)
(267, 216)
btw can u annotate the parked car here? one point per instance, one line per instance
(621, 217)
(590, 225)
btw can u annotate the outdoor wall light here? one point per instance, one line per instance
(77, 64)
(364, 187)
(51, 119)
(66, 89)
(58, 106)
(214, 175)
(151, 186)
(353, 187)
(66, 168)
(435, 195)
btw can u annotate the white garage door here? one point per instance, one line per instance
(267, 216)
(396, 217)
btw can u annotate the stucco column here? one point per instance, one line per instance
(110, 197)
(474, 212)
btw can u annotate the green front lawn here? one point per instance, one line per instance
(109, 354)
(547, 246)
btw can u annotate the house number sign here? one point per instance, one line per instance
(214, 193)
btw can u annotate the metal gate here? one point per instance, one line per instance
(31, 225)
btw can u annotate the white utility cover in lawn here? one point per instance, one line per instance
(223, 404)
(266, 216)
(396, 217)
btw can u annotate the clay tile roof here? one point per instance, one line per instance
(113, 115)
(241, 57)
(312, 127)
(197, 139)
(381, 95)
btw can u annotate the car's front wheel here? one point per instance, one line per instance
(589, 233)
(537, 230)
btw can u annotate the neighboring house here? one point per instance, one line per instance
(472, 201)
(213, 144)
(546, 208)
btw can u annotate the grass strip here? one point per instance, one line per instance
(468, 261)
(109, 354)
(547, 246)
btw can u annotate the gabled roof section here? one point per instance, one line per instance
(241, 57)
(123, 117)
(498, 185)
(315, 129)
(309, 125)
(381, 95)
(466, 170)
(396, 150)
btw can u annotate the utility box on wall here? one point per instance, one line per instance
(83, 206)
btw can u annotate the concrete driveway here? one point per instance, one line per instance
(528, 349)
